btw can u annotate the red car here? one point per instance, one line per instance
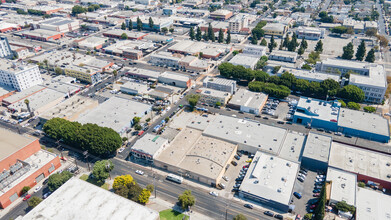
(26, 197)
(316, 194)
(312, 207)
(245, 166)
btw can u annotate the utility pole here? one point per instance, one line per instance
(85, 153)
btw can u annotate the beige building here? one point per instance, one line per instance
(275, 29)
(211, 96)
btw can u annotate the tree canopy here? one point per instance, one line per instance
(360, 54)
(34, 201)
(186, 199)
(56, 180)
(352, 93)
(101, 170)
(123, 180)
(240, 217)
(193, 99)
(348, 51)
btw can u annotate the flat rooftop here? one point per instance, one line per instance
(23, 94)
(174, 76)
(115, 113)
(356, 160)
(191, 120)
(293, 146)
(78, 199)
(4, 89)
(39, 99)
(214, 93)
(317, 147)
(247, 133)
(11, 142)
(14, 66)
(244, 60)
(149, 144)
(343, 185)
(270, 177)
(372, 204)
(283, 53)
(311, 75)
(139, 87)
(247, 98)
(319, 109)
(376, 77)
(42, 33)
(363, 121)
(219, 81)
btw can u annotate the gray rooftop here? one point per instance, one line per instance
(23, 94)
(244, 97)
(372, 204)
(343, 186)
(149, 144)
(319, 109)
(293, 146)
(317, 147)
(78, 199)
(39, 99)
(244, 60)
(11, 142)
(214, 93)
(363, 121)
(144, 72)
(247, 133)
(219, 81)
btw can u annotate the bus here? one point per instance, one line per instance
(174, 178)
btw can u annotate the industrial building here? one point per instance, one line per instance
(221, 14)
(212, 97)
(343, 186)
(316, 152)
(220, 84)
(116, 113)
(284, 56)
(175, 79)
(134, 88)
(158, 23)
(73, 201)
(91, 43)
(369, 166)
(270, 180)
(255, 50)
(293, 146)
(275, 29)
(19, 75)
(245, 61)
(372, 204)
(23, 163)
(116, 33)
(310, 33)
(149, 147)
(311, 76)
(43, 35)
(62, 25)
(248, 101)
(139, 73)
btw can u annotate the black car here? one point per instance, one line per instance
(278, 216)
(257, 116)
(45, 181)
(237, 157)
(266, 118)
(248, 206)
(239, 154)
(269, 213)
(289, 123)
(280, 122)
(348, 136)
(240, 112)
(234, 163)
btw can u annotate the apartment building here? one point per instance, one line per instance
(237, 23)
(5, 49)
(19, 75)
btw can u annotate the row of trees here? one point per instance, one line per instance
(127, 187)
(325, 18)
(348, 52)
(278, 91)
(100, 141)
(77, 9)
(209, 35)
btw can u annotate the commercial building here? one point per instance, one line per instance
(212, 97)
(310, 75)
(116, 113)
(372, 204)
(149, 147)
(197, 157)
(175, 79)
(255, 50)
(359, 26)
(43, 35)
(73, 200)
(116, 33)
(369, 166)
(293, 146)
(144, 74)
(208, 50)
(5, 48)
(221, 14)
(220, 84)
(244, 60)
(364, 125)
(58, 24)
(248, 101)
(275, 29)
(164, 58)
(19, 75)
(216, 26)
(269, 180)
(23, 163)
(8, 27)
(310, 33)
(343, 186)
(20, 52)
(134, 88)
(91, 43)
(158, 23)
(316, 152)
(284, 56)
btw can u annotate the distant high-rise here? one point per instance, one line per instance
(5, 49)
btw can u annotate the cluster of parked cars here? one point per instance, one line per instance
(291, 112)
(270, 107)
(271, 214)
(319, 181)
(302, 175)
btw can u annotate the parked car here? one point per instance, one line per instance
(280, 122)
(278, 216)
(316, 191)
(45, 181)
(237, 157)
(297, 195)
(225, 178)
(139, 172)
(213, 193)
(234, 163)
(37, 189)
(222, 185)
(26, 197)
(269, 213)
(338, 133)
(248, 206)
(301, 179)
(316, 195)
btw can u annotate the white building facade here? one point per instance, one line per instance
(5, 49)
(19, 77)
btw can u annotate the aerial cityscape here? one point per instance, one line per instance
(195, 109)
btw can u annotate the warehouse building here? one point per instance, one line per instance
(284, 56)
(275, 29)
(144, 74)
(248, 101)
(221, 14)
(245, 61)
(316, 152)
(220, 84)
(343, 186)
(255, 50)
(58, 24)
(43, 35)
(212, 97)
(116, 33)
(134, 88)
(310, 33)
(149, 147)
(23, 163)
(175, 79)
(372, 204)
(293, 146)
(73, 201)
(269, 180)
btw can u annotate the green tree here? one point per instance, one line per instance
(300, 51)
(375, 15)
(56, 180)
(304, 44)
(143, 198)
(101, 170)
(228, 39)
(205, 36)
(164, 30)
(344, 207)
(272, 44)
(371, 32)
(370, 56)
(198, 36)
(352, 93)
(306, 67)
(369, 109)
(211, 35)
(261, 62)
(123, 26)
(288, 79)
(285, 43)
(319, 46)
(319, 210)
(254, 41)
(130, 26)
(278, 91)
(193, 99)
(348, 51)
(221, 36)
(302, 85)
(191, 33)
(313, 57)
(150, 23)
(136, 120)
(339, 30)
(77, 9)
(382, 40)
(124, 36)
(171, 30)
(150, 188)
(123, 180)
(322, 14)
(34, 201)
(353, 105)
(343, 104)
(25, 189)
(263, 42)
(186, 200)
(139, 24)
(137, 127)
(27, 102)
(360, 54)
(240, 217)
(361, 184)
(293, 43)
(329, 85)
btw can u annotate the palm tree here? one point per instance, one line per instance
(27, 102)
(46, 64)
(115, 73)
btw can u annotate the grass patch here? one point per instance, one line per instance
(85, 177)
(170, 214)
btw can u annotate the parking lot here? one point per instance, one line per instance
(302, 206)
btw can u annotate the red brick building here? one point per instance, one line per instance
(43, 35)
(22, 163)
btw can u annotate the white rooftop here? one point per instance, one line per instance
(317, 147)
(293, 146)
(244, 60)
(149, 144)
(246, 98)
(319, 109)
(372, 205)
(343, 186)
(78, 199)
(376, 77)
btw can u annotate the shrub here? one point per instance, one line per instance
(369, 109)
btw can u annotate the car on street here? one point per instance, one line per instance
(266, 118)
(139, 172)
(26, 197)
(269, 213)
(37, 189)
(222, 185)
(338, 133)
(348, 136)
(248, 206)
(225, 178)
(297, 195)
(316, 191)
(278, 216)
(46, 195)
(121, 149)
(45, 181)
(280, 122)
(316, 194)
(213, 193)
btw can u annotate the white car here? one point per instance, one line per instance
(121, 149)
(37, 189)
(213, 193)
(139, 172)
(225, 178)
